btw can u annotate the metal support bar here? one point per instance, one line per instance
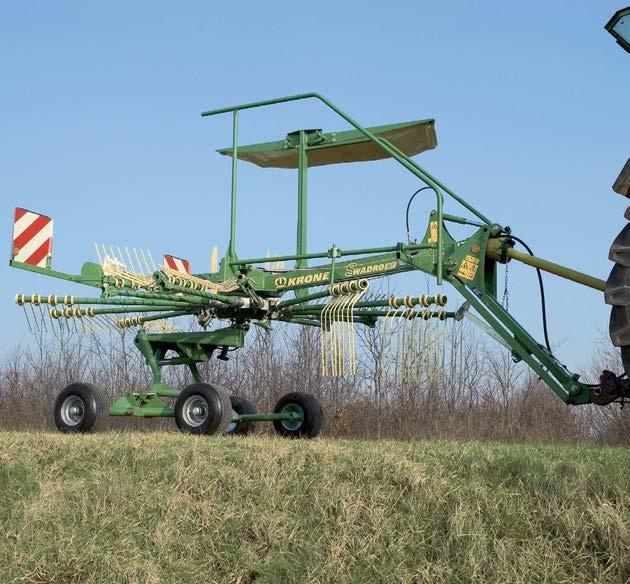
(442, 314)
(304, 321)
(125, 309)
(561, 381)
(440, 205)
(339, 253)
(231, 251)
(303, 299)
(175, 361)
(302, 209)
(144, 346)
(94, 281)
(54, 300)
(363, 313)
(162, 316)
(460, 220)
(207, 296)
(195, 372)
(166, 392)
(247, 418)
(414, 301)
(189, 299)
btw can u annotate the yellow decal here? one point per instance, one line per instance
(468, 268)
(355, 269)
(433, 232)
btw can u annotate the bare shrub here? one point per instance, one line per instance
(477, 392)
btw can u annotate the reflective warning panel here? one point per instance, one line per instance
(32, 238)
(177, 264)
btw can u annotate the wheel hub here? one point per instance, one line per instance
(298, 419)
(195, 410)
(72, 410)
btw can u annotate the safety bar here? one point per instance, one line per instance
(337, 253)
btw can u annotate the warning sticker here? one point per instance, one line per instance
(468, 268)
(433, 232)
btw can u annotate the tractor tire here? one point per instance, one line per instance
(241, 406)
(202, 408)
(78, 408)
(311, 410)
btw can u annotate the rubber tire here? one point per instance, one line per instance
(219, 409)
(93, 403)
(313, 415)
(242, 406)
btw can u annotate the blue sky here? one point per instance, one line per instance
(100, 126)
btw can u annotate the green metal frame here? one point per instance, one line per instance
(469, 266)
(480, 291)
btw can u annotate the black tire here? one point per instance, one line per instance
(202, 408)
(78, 408)
(313, 416)
(241, 406)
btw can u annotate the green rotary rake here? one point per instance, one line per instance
(133, 292)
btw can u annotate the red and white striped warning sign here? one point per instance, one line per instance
(177, 264)
(32, 238)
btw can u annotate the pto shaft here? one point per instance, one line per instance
(497, 251)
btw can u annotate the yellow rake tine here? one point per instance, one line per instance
(105, 253)
(140, 270)
(144, 259)
(339, 339)
(114, 258)
(98, 254)
(343, 325)
(120, 255)
(152, 262)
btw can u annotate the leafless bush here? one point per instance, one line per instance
(609, 424)
(477, 392)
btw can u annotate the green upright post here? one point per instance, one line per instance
(439, 251)
(302, 208)
(302, 211)
(144, 346)
(231, 251)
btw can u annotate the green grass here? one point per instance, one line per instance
(171, 508)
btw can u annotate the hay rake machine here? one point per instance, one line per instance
(135, 293)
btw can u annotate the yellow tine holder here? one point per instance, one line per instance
(339, 318)
(326, 333)
(337, 328)
(359, 288)
(362, 286)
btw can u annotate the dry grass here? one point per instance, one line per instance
(163, 507)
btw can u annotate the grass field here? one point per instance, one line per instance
(171, 508)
